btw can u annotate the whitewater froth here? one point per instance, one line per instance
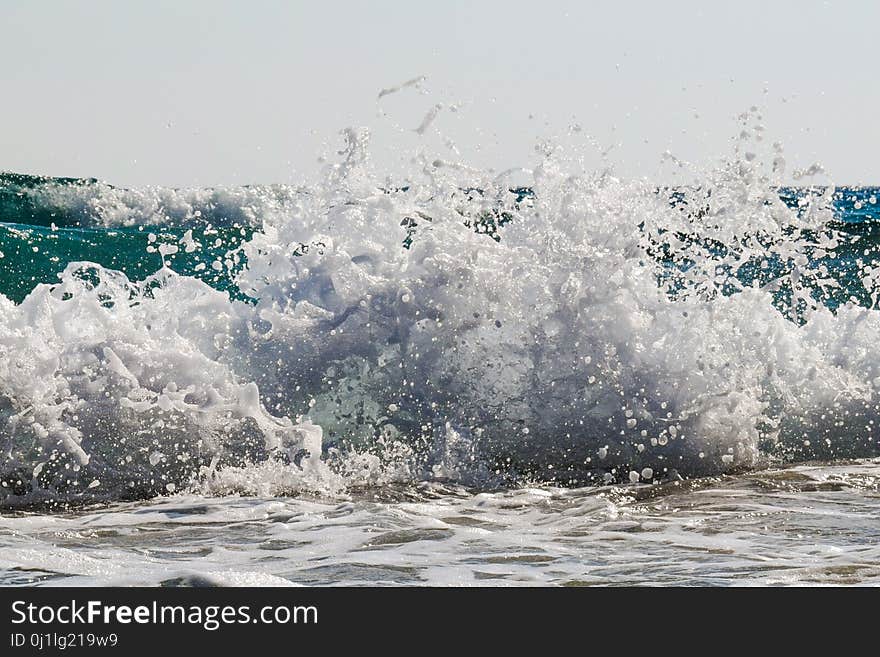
(384, 329)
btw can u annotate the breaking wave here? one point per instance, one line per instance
(575, 328)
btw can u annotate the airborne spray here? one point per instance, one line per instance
(574, 328)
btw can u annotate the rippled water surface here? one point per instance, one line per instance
(810, 524)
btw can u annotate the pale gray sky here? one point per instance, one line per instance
(189, 92)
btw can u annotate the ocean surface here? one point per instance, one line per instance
(458, 378)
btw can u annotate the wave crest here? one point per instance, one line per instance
(453, 328)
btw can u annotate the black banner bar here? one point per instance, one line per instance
(129, 621)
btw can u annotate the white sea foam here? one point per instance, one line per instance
(553, 352)
(95, 203)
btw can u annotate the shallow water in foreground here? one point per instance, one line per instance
(804, 525)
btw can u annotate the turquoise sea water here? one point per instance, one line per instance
(41, 233)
